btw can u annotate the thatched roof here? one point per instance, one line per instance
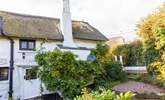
(27, 26)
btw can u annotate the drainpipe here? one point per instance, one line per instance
(11, 68)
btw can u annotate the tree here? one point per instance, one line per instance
(145, 31)
(152, 32)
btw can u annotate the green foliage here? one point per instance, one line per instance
(157, 70)
(131, 53)
(103, 53)
(104, 95)
(126, 96)
(150, 55)
(9, 98)
(61, 71)
(31, 73)
(115, 71)
(105, 83)
(112, 71)
(152, 31)
(145, 31)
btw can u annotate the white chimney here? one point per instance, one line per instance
(66, 25)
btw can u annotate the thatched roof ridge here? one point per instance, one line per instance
(39, 27)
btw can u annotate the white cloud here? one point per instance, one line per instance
(109, 16)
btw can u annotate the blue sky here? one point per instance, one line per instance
(109, 16)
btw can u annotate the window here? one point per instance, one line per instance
(31, 73)
(4, 71)
(27, 44)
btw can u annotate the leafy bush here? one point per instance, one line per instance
(114, 71)
(104, 83)
(157, 70)
(61, 71)
(104, 95)
(154, 68)
(126, 96)
(103, 53)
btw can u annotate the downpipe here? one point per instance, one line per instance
(11, 68)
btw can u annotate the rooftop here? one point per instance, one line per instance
(39, 27)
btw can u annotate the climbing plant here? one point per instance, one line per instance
(59, 70)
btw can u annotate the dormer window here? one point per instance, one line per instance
(27, 44)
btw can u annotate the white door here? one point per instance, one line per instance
(31, 84)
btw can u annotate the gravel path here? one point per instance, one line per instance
(137, 87)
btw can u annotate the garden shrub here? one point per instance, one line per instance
(103, 53)
(113, 75)
(154, 68)
(101, 82)
(157, 70)
(104, 95)
(114, 71)
(60, 71)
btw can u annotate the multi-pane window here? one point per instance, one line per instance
(31, 73)
(4, 71)
(27, 44)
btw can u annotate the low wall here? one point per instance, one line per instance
(135, 69)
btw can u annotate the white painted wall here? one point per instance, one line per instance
(135, 69)
(19, 85)
(89, 45)
(5, 56)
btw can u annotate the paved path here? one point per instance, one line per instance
(137, 87)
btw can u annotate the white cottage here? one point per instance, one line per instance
(22, 35)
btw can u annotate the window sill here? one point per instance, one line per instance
(26, 51)
(31, 79)
(4, 82)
